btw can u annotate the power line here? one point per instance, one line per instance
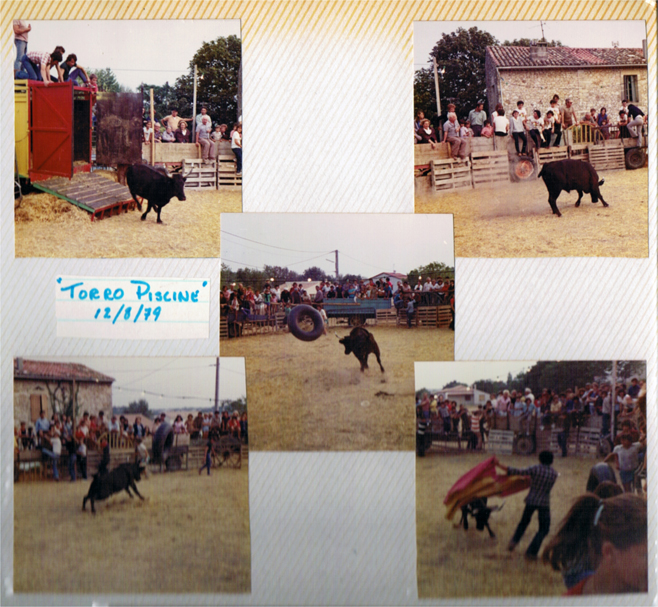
(271, 245)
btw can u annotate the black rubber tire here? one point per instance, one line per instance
(635, 158)
(163, 440)
(173, 463)
(525, 445)
(304, 312)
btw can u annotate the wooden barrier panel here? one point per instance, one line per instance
(450, 174)
(501, 441)
(579, 151)
(171, 152)
(386, 317)
(481, 144)
(201, 176)
(588, 441)
(545, 155)
(444, 317)
(490, 167)
(226, 171)
(426, 316)
(423, 153)
(609, 156)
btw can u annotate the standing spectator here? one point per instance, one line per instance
(410, 311)
(173, 120)
(623, 125)
(207, 457)
(168, 136)
(56, 451)
(203, 140)
(236, 146)
(451, 132)
(72, 448)
(604, 123)
(547, 132)
(139, 431)
(218, 135)
(200, 118)
(21, 31)
(557, 125)
(542, 479)
(476, 118)
(517, 127)
(41, 427)
(569, 119)
(179, 425)
(627, 456)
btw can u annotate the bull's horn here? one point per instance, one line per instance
(336, 334)
(185, 175)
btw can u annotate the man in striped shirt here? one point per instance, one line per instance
(542, 479)
(37, 66)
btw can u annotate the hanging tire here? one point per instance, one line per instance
(173, 463)
(635, 158)
(525, 445)
(163, 440)
(305, 323)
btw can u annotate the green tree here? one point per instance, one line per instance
(433, 270)
(165, 99)
(107, 81)
(140, 407)
(314, 273)
(218, 73)
(452, 384)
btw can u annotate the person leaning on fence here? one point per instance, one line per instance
(457, 144)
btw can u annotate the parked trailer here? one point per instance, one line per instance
(356, 312)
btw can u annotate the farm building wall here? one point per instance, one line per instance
(92, 397)
(586, 87)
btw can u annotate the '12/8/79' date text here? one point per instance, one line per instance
(125, 314)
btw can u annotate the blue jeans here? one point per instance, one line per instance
(55, 459)
(28, 68)
(72, 461)
(21, 49)
(238, 156)
(76, 73)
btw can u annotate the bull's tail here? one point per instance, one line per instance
(601, 182)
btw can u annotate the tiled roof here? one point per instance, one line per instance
(36, 369)
(562, 56)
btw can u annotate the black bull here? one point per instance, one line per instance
(362, 343)
(122, 478)
(570, 175)
(154, 185)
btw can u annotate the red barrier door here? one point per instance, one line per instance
(51, 130)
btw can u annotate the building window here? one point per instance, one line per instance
(630, 89)
(467, 397)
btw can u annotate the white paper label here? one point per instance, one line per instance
(132, 308)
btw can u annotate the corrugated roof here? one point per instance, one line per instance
(562, 56)
(36, 369)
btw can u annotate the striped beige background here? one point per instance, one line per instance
(327, 105)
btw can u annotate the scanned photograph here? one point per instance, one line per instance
(128, 153)
(330, 312)
(497, 442)
(534, 135)
(135, 468)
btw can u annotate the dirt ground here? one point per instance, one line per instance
(190, 535)
(515, 219)
(46, 226)
(309, 396)
(455, 563)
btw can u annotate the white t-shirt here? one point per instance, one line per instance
(501, 124)
(236, 140)
(629, 459)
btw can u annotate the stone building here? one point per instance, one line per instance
(590, 77)
(52, 386)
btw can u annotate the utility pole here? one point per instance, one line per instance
(217, 385)
(436, 87)
(337, 274)
(194, 106)
(542, 30)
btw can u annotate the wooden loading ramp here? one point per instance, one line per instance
(99, 196)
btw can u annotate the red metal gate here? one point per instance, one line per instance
(51, 130)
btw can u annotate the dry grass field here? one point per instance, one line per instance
(309, 396)
(46, 226)
(453, 563)
(190, 535)
(515, 219)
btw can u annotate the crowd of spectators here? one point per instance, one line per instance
(564, 410)
(544, 126)
(239, 303)
(57, 435)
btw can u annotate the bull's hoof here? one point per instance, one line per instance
(143, 217)
(159, 221)
(605, 204)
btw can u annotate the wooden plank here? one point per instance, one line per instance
(501, 441)
(423, 153)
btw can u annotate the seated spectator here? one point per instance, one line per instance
(517, 128)
(182, 134)
(93, 84)
(71, 71)
(427, 134)
(218, 133)
(234, 425)
(157, 131)
(55, 451)
(114, 427)
(623, 125)
(501, 123)
(547, 132)
(487, 130)
(418, 124)
(168, 136)
(204, 141)
(535, 126)
(458, 146)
